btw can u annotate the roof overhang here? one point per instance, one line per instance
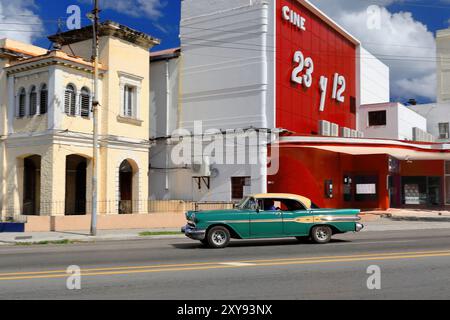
(107, 28)
(402, 150)
(53, 58)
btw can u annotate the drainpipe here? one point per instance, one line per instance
(167, 121)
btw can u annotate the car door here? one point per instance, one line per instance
(266, 223)
(297, 220)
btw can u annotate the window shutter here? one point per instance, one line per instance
(33, 102)
(43, 101)
(22, 101)
(70, 106)
(67, 102)
(85, 102)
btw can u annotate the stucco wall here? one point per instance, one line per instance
(400, 122)
(80, 223)
(435, 113)
(375, 82)
(26, 80)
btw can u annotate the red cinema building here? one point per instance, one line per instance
(285, 66)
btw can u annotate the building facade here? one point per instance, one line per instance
(46, 117)
(284, 67)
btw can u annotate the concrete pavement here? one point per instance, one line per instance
(414, 265)
(83, 236)
(372, 222)
(423, 215)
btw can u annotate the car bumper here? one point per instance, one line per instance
(359, 227)
(193, 233)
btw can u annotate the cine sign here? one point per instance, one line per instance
(294, 18)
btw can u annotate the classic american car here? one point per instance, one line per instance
(270, 216)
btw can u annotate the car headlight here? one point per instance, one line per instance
(193, 217)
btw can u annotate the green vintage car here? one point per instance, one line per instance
(270, 216)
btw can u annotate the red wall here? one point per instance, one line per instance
(304, 171)
(428, 168)
(298, 108)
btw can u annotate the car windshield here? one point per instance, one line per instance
(246, 203)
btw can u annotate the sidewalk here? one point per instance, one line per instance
(422, 215)
(83, 236)
(391, 220)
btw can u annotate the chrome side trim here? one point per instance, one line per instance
(340, 218)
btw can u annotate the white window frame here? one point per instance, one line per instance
(126, 79)
(447, 126)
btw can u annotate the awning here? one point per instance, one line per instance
(402, 150)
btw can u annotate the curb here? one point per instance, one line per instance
(91, 240)
(417, 219)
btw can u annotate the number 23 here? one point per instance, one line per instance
(307, 78)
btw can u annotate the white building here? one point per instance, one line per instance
(226, 75)
(438, 114)
(393, 121)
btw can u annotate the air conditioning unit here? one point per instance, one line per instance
(354, 133)
(360, 134)
(430, 138)
(334, 130)
(346, 132)
(324, 128)
(417, 134)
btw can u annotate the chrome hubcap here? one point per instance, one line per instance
(219, 237)
(322, 233)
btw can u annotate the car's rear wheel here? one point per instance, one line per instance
(321, 234)
(218, 237)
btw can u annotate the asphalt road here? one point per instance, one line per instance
(414, 264)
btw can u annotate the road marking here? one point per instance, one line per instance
(238, 264)
(223, 265)
(372, 242)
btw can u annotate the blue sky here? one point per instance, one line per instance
(434, 14)
(405, 38)
(164, 27)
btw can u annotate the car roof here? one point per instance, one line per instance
(305, 201)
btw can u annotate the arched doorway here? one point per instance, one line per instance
(126, 182)
(32, 185)
(75, 203)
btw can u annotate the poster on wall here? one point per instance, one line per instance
(412, 194)
(366, 189)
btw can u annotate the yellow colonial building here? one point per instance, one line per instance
(46, 124)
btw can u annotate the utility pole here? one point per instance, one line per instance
(94, 16)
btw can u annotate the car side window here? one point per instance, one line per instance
(292, 205)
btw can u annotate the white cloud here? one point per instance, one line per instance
(401, 42)
(134, 8)
(18, 21)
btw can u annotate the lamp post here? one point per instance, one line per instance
(94, 17)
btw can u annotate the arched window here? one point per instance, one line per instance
(70, 100)
(85, 102)
(33, 101)
(43, 103)
(21, 103)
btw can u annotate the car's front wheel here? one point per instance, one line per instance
(218, 237)
(321, 234)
